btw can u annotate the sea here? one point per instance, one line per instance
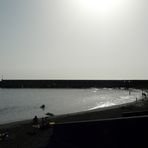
(22, 104)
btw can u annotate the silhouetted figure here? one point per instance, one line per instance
(42, 106)
(35, 120)
(35, 125)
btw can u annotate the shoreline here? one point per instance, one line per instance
(18, 131)
(13, 123)
(98, 110)
(26, 121)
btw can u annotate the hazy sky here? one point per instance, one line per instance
(74, 39)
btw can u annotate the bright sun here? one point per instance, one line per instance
(101, 6)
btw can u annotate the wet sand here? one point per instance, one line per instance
(21, 134)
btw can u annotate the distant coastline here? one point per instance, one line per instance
(142, 84)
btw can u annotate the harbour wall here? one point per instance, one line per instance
(117, 133)
(73, 83)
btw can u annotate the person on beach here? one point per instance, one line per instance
(35, 122)
(35, 125)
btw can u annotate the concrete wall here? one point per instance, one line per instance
(72, 83)
(116, 133)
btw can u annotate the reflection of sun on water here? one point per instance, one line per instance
(107, 104)
(113, 97)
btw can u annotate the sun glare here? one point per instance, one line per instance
(100, 6)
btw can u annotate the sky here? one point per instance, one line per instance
(74, 39)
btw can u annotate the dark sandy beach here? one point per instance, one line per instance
(21, 134)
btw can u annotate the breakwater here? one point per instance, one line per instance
(73, 83)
